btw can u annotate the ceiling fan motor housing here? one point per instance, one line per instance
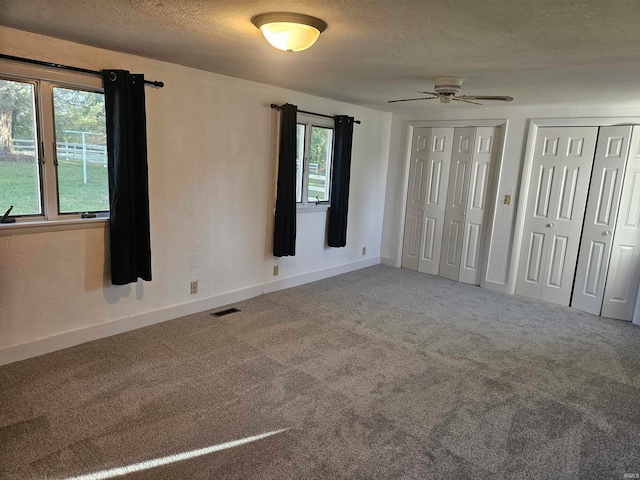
(447, 87)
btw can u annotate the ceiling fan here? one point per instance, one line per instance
(447, 89)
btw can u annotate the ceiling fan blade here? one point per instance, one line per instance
(502, 98)
(431, 93)
(460, 99)
(411, 99)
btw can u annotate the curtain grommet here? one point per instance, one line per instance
(113, 76)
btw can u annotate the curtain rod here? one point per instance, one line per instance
(278, 107)
(67, 67)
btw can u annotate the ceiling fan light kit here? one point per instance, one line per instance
(447, 89)
(290, 32)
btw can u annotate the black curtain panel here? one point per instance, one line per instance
(284, 235)
(128, 176)
(337, 235)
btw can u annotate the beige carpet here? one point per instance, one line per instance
(379, 373)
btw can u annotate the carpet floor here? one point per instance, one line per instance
(381, 373)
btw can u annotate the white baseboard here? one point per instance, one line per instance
(389, 262)
(15, 353)
(497, 287)
(319, 275)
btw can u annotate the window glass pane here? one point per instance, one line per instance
(320, 163)
(299, 160)
(19, 172)
(81, 150)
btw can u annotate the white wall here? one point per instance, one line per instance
(212, 173)
(500, 272)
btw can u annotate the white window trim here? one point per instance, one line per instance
(44, 81)
(312, 121)
(42, 226)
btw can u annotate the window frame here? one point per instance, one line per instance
(44, 81)
(309, 122)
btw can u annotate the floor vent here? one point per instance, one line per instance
(222, 313)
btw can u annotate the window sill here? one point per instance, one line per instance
(42, 226)
(323, 207)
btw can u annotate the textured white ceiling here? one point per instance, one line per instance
(538, 51)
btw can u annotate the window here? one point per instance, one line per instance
(53, 155)
(313, 161)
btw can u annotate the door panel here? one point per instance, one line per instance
(413, 244)
(619, 289)
(478, 185)
(593, 280)
(415, 198)
(534, 258)
(558, 259)
(575, 146)
(543, 197)
(480, 188)
(460, 186)
(600, 217)
(429, 240)
(456, 204)
(435, 184)
(471, 247)
(624, 271)
(439, 161)
(555, 209)
(453, 252)
(568, 193)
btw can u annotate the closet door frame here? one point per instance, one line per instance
(532, 135)
(503, 125)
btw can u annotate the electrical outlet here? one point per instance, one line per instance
(194, 287)
(276, 270)
(507, 199)
(364, 250)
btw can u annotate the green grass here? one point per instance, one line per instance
(19, 187)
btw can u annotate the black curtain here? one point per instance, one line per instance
(337, 236)
(284, 235)
(128, 176)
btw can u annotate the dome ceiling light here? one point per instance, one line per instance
(291, 32)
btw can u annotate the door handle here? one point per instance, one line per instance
(608, 232)
(464, 213)
(551, 224)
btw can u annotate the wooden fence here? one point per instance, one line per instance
(86, 152)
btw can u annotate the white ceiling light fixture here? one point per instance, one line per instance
(291, 32)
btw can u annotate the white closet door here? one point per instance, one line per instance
(456, 206)
(415, 198)
(624, 270)
(480, 186)
(555, 209)
(600, 218)
(439, 161)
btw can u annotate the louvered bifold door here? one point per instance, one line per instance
(600, 218)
